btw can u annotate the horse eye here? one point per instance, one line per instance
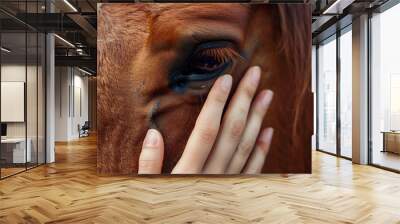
(207, 62)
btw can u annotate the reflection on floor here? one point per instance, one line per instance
(11, 169)
(387, 159)
(346, 152)
(70, 191)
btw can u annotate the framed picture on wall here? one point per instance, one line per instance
(12, 101)
(157, 63)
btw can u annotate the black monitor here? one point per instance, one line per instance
(3, 129)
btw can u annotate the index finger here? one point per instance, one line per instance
(206, 128)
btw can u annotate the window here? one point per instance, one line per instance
(334, 137)
(327, 96)
(346, 93)
(385, 89)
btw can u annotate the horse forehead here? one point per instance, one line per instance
(170, 22)
(193, 12)
(136, 21)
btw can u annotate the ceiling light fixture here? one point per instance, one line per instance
(70, 5)
(65, 41)
(5, 50)
(337, 7)
(84, 71)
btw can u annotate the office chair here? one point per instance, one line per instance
(84, 130)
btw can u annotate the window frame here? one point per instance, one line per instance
(334, 37)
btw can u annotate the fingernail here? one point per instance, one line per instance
(226, 82)
(266, 135)
(151, 138)
(267, 98)
(255, 73)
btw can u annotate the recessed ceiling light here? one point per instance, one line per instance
(5, 50)
(65, 41)
(84, 71)
(338, 6)
(70, 5)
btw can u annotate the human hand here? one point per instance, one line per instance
(232, 146)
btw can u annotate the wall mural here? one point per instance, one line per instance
(157, 62)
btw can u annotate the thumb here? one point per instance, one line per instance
(152, 155)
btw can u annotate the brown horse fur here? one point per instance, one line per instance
(137, 44)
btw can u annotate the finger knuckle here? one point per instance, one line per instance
(248, 91)
(263, 146)
(237, 128)
(208, 134)
(259, 111)
(220, 98)
(242, 110)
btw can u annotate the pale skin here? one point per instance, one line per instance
(230, 143)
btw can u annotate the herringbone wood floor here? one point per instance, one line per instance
(69, 191)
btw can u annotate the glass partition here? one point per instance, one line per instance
(327, 96)
(13, 95)
(22, 90)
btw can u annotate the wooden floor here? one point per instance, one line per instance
(69, 191)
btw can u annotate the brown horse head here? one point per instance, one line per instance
(156, 63)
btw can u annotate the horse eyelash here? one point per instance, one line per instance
(221, 54)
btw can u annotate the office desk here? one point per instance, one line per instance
(13, 150)
(391, 141)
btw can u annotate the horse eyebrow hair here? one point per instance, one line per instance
(161, 9)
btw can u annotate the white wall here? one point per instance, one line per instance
(81, 103)
(13, 72)
(71, 102)
(62, 81)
